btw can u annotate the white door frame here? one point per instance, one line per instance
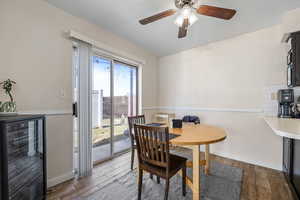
(84, 104)
(113, 59)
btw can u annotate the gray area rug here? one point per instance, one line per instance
(223, 183)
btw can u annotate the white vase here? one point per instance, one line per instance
(8, 107)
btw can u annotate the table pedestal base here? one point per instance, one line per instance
(196, 164)
(196, 172)
(207, 159)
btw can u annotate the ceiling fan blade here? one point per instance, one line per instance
(212, 11)
(158, 16)
(183, 29)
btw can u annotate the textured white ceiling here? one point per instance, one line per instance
(121, 17)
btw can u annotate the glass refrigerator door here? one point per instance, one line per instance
(25, 160)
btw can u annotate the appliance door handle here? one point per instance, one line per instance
(289, 76)
(290, 57)
(75, 109)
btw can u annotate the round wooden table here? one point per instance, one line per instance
(193, 136)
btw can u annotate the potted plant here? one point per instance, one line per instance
(8, 107)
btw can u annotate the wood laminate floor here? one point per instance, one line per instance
(259, 183)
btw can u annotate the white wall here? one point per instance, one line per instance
(35, 52)
(290, 21)
(229, 75)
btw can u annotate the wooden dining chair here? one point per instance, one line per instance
(139, 119)
(154, 156)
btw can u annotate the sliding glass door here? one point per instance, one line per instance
(114, 97)
(101, 109)
(124, 102)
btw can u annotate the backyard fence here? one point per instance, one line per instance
(101, 108)
(97, 108)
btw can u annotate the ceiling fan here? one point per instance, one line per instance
(188, 14)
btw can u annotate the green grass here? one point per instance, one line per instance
(100, 134)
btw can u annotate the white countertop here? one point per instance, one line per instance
(285, 127)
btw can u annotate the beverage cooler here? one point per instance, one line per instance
(291, 164)
(22, 157)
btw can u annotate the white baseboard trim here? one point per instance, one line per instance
(279, 168)
(60, 179)
(240, 159)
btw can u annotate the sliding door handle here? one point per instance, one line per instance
(75, 110)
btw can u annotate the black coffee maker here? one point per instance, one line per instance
(285, 103)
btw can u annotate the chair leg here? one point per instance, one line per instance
(140, 184)
(132, 158)
(158, 179)
(167, 189)
(184, 181)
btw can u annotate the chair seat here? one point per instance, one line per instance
(176, 163)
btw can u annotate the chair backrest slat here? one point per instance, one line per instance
(139, 119)
(152, 144)
(156, 147)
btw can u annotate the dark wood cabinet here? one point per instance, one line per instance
(23, 157)
(287, 156)
(291, 164)
(294, 60)
(295, 176)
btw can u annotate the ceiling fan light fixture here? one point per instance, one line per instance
(186, 13)
(193, 18)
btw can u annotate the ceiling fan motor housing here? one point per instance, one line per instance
(181, 3)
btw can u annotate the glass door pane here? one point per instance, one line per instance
(25, 159)
(101, 109)
(124, 103)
